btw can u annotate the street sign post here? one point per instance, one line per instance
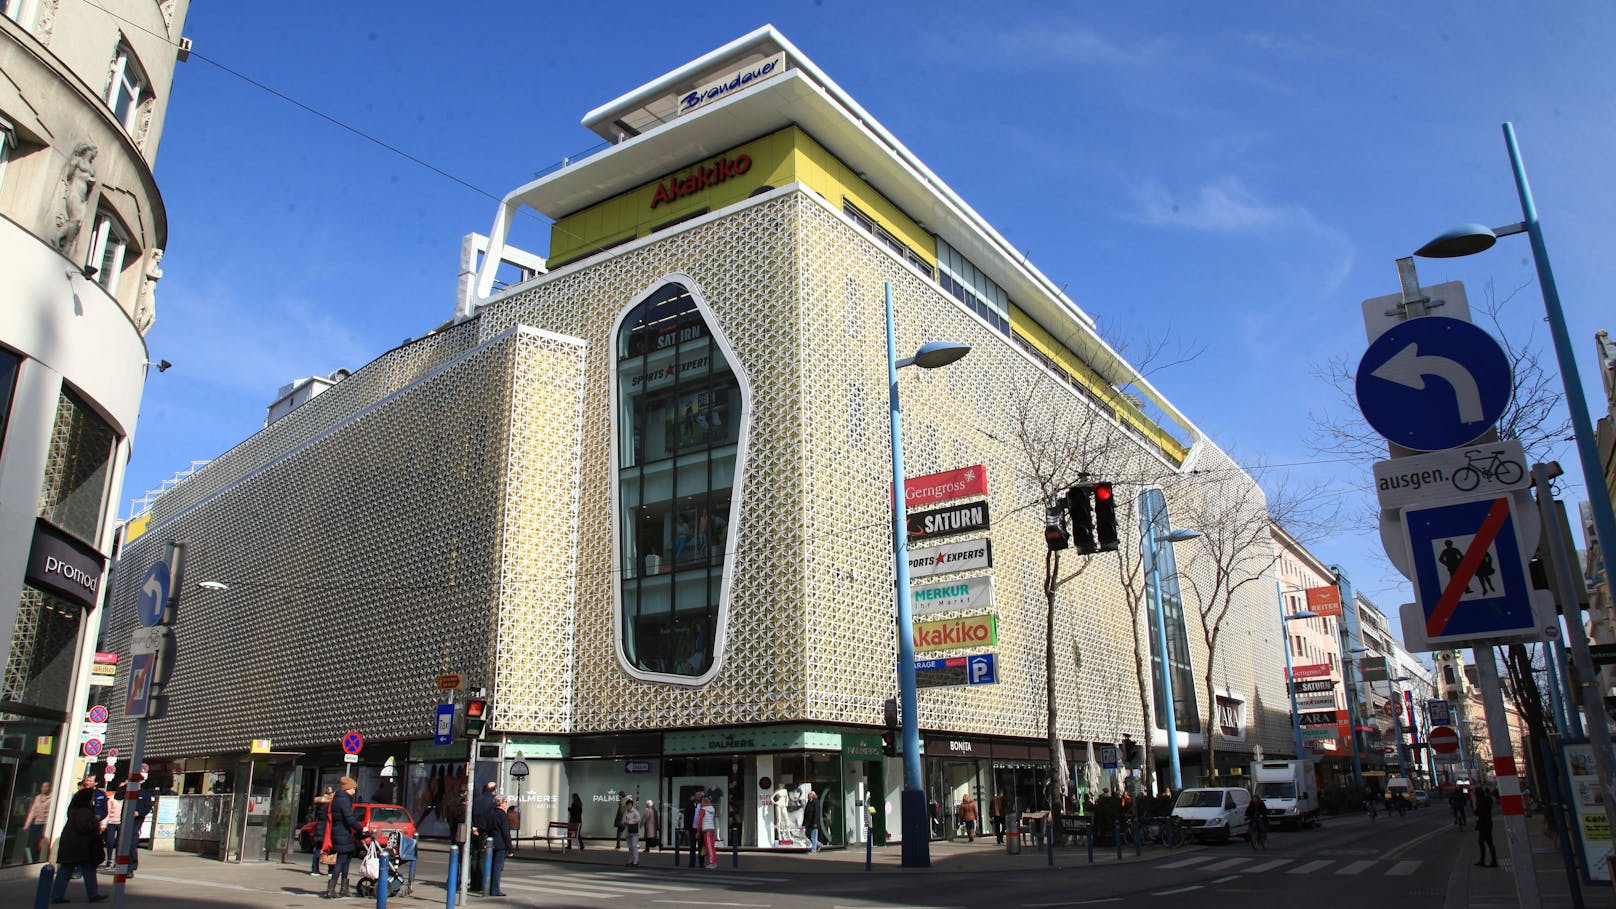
(1433, 383)
(1456, 474)
(152, 598)
(443, 725)
(1108, 757)
(352, 743)
(1437, 711)
(1444, 740)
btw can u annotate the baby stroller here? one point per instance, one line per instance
(381, 857)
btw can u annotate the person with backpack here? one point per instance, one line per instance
(1484, 829)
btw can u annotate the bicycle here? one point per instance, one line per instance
(1495, 467)
(1168, 831)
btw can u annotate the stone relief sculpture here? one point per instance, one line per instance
(146, 303)
(73, 197)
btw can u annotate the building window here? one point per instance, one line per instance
(21, 12)
(886, 238)
(127, 87)
(108, 250)
(77, 468)
(8, 139)
(1163, 581)
(679, 416)
(957, 275)
(9, 364)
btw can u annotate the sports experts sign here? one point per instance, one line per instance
(969, 555)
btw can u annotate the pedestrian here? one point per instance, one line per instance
(1484, 829)
(79, 846)
(622, 806)
(693, 825)
(810, 820)
(708, 821)
(967, 816)
(142, 807)
(575, 820)
(1372, 800)
(493, 825)
(481, 804)
(996, 812)
(34, 846)
(1257, 823)
(649, 826)
(1458, 803)
(110, 827)
(341, 834)
(631, 829)
(322, 814)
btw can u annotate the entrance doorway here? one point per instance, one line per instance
(685, 789)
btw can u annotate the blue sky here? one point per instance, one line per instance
(1239, 176)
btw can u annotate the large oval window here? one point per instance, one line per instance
(680, 411)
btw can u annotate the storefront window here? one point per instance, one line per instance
(679, 417)
(1153, 509)
(78, 468)
(33, 715)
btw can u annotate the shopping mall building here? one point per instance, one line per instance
(643, 495)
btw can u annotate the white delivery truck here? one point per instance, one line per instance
(1289, 790)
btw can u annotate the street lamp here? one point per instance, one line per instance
(1290, 682)
(1152, 538)
(1468, 239)
(916, 832)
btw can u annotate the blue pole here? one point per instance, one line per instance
(488, 866)
(47, 877)
(1290, 683)
(1161, 647)
(384, 863)
(1593, 472)
(453, 881)
(916, 837)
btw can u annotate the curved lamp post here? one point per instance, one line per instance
(916, 832)
(1152, 538)
(1290, 682)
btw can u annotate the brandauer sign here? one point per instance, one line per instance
(956, 634)
(947, 559)
(940, 487)
(64, 565)
(947, 522)
(732, 82)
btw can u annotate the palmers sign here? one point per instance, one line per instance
(956, 634)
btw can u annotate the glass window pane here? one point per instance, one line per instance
(78, 466)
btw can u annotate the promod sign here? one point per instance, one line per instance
(956, 634)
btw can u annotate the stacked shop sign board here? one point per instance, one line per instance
(1314, 691)
(972, 595)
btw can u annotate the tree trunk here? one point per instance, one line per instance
(1146, 710)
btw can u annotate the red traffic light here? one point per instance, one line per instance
(1102, 492)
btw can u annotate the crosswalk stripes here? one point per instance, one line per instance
(1402, 868)
(595, 886)
(1192, 860)
(1225, 865)
(1261, 865)
(1357, 867)
(1269, 865)
(1309, 867)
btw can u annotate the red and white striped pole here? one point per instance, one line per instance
(1511, 805)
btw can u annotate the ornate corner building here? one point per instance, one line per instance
(642, 495)
(83, 91)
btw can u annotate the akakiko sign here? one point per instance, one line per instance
(947, 521)
(952, 596)
(733, 81)
(947, 559)
(940, 487)
(710, 174)
(956, 634)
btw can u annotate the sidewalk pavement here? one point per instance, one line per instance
(1471, 886)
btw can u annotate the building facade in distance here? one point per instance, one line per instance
(643, 497)
(82, 230)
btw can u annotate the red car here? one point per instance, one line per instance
(378, 817)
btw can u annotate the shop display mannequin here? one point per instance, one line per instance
(782, 823)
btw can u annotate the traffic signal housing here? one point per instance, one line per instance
(1055, 528)
(1105, 516)
(476, 714)
(889, 736)
(1130, 751)
(1079, 502)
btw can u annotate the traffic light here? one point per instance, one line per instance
(1080, 503)
(476, 713)
(1105, 517)
(889, 738)
(1130, 751)
(1055, 528)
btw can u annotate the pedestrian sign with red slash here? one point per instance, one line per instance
(1470, 576)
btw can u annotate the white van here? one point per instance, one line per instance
(1213, 813)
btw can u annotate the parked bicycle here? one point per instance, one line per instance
(1494, 467)
(1167, 831)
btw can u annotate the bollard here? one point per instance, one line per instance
(1090, 826)
(869, 848)
(1118, 823)
(1138, 837)
(384, 865)
(47, 876)
(1049, 838)
(454, 875)
(488, 866)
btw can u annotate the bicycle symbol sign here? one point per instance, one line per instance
(1458, 474)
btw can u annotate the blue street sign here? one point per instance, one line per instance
(1469, 575)
(1108, 757)
(153, 595)
(1433, 383)
(981, 669)
(142, 666)
(1436, 710)
(443, 728)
